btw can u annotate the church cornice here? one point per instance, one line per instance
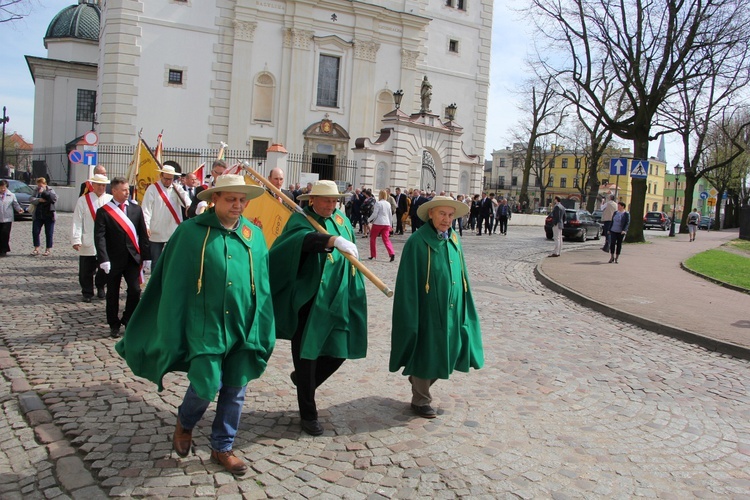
(298, 38)
(245, 30)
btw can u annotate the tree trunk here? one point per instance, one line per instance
(638, 190)
(690, 182)
(524, 196)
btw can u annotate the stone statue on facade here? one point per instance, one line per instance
(426, 95)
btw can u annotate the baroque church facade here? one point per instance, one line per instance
(317, 77)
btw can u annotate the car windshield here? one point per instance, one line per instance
(19, 187)
(570, 215)
(653, 214)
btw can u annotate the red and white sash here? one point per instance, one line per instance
(92, 200)
(123, 221)
(177, 214)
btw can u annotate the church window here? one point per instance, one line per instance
(86, 105)
(263, 98)
(563, 182)
(453, 46)
(460, 5)
(259, 148)
(175, 77)
(328, 81)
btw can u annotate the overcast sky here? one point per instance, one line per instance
(510, 42)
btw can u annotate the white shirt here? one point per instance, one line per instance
(159, 219)
(82, 232)
(381, 213)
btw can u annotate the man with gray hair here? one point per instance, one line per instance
(608, 212)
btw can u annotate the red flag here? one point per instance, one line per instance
(159, 148)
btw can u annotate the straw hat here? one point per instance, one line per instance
(442, 201)
(323, 188)
(99, 179)
(169, 169)
(232, 184)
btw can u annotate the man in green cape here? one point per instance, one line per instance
(207, 311)
(318, 295)
(435, 326)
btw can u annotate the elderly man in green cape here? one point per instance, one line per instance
(318, 295)
(435, 326)
(207, 311)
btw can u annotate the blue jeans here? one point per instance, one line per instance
(155, 249)
(227, 419)
(49, 230)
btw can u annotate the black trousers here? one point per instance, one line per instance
(89, 275)
(615, 242)
(131, 272)
(5, 237)
(487, 219)
(399, 223)
(503, 224)
(310, 373)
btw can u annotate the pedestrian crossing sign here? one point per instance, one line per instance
(639, 169)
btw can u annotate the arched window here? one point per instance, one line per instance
(263, 98)
(381, 176)
(383, 105)
(463, 183)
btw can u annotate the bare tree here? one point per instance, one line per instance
(13, 10)
(648, 47)
(546, 113)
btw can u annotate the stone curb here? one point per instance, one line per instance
(69, 469)
(714, 280)
(663, 329)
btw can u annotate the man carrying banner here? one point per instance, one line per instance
(207, 311)
(318, 296)
(82, 237)
(435, 325)
(162, 209)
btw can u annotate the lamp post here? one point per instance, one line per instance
(450, 112)
(5, 120)
(677, 170)
(397, 96)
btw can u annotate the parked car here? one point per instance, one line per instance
(578, 224)
(656, 219)
(706, 223)
(23, 194)
(597, 215)
(541, 210)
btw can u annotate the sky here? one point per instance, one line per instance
(511, 40)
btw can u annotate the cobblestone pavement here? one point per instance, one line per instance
(570, 404)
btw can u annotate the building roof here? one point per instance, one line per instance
(76, 21)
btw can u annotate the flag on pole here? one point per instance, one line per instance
(235, 169)
(147, 170)
(267, 212)
(200, 173)
(132, 171)
(159, 148)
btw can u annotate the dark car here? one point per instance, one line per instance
(597, 215)
(656, 219)
(578, 224)
(23, 194)
(706, 223)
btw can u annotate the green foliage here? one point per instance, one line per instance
(721, 265)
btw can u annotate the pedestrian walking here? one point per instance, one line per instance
(608, 212)
(693, 219)
(381, 220)
(43, 199)
(620, 224)
(9, 206)
(207, 311)
(558, 222)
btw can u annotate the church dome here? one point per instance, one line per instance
(76, 21)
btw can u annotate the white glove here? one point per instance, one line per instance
(147, 266)
(345, 246)
(106, 267)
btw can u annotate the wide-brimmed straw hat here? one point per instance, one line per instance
(99, 179)
(169, 169)
(231, 183)
(323, 188)
(442, 201)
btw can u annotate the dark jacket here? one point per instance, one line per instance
(113, 244)
(45, 208)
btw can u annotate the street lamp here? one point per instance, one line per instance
(5, 120)
(677, 170)
(397, 96)
(450, 112)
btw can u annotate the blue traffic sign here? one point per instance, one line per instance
(725, 195)
(618, 166)
(90, 157)
(704, 195)
(639, 169)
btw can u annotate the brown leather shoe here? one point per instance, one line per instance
(182, 440)
(231, 463)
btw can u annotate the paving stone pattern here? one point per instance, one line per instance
(570, 404)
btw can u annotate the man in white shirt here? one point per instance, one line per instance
(162, 209)
(82, 237)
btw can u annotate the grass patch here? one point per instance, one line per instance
(741, 245)
(723, 266)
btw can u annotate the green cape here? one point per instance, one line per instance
(337, 323)
(222, 334)
(437, 331)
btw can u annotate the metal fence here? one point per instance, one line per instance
(53, 162)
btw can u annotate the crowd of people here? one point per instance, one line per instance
(231, 298)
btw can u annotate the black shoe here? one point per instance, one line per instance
(393, 257)
(293, 378)
(100, 293)
(425, 411)
(86, 299)
(311, 427)
(611, 260)
(114, 332)
(370, 258)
